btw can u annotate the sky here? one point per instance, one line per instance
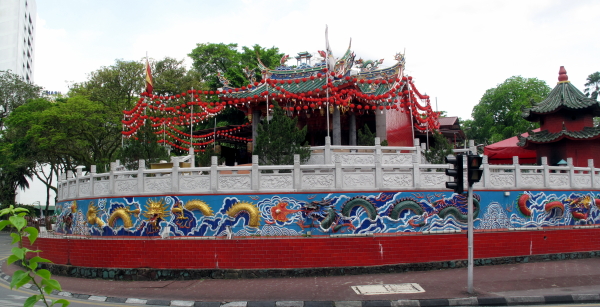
(455, 50)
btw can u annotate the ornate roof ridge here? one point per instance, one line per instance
(545, 136)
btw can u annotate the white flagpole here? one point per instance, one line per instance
(122, 130)
(327, 76)
(192, 121)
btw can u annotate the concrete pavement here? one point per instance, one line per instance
(565, 281)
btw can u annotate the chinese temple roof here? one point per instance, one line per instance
(563, 96)
(587, 133)
(304, 88)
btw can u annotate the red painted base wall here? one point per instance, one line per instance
(310, 252)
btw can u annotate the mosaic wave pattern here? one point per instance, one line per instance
(323, 213)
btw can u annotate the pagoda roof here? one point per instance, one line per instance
(564, 96)
(544, 136)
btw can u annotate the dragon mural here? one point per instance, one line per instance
(324, 214)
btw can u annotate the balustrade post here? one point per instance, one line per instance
(214, 174)
(592, 172)
(92, 181)
(378, 172)
(486, 171)
(377, 153)
(327, 151)
(255, 174)
(416, 170)
(417, 149)
(140, 175)
(175, 175)
(193, 157)
(79, 169)
(571, 172)
(472, 147)
(297, 174)
(338, 172)
(69, 176)
(517, 171)
(111, 178)
(546, 170)
(59, 187)
(65, 185)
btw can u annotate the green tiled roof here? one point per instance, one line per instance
(565, 96)
(295, 88)
(549, 137)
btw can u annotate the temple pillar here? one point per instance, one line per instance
(380, 124)
(352, 128)
(337, 129)
(255, 121)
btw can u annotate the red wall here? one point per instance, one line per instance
(399, 128)
(310, 252)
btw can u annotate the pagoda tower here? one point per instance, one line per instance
(567, 129)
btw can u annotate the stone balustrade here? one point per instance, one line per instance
(330, 168)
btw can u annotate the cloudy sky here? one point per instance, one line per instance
(455, 50)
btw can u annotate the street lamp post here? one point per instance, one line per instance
(39, 207)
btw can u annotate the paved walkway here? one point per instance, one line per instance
(564, 281)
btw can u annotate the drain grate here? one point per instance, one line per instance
(388, 289)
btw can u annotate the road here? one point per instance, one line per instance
(14, 298)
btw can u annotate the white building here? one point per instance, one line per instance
(17, 33)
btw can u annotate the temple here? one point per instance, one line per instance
(567, 129)
(332, 97)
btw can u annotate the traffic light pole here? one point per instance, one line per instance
(470, 238)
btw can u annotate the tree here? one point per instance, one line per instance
(15, 170)
(43, 163)
(592, 86)
(497, 116)
(170, 77)
(82, 131)
(210, 59)
(143, 147)
(441, 148)
(115, 86)
(14, 92)
(280, 139)
(365, 137)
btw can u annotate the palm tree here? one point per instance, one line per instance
(592, 87)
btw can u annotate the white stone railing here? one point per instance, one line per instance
(343, 169)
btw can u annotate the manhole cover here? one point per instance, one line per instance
(388, 289)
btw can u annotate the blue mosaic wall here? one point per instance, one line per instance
(324, 213)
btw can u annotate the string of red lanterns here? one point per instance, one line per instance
(399, 96)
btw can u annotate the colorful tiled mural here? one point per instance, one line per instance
(323, 214)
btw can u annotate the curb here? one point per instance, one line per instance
(468, 301)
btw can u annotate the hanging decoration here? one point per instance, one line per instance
(299, 91)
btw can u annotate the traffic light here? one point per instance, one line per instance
(473, 171)
(458, 184)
